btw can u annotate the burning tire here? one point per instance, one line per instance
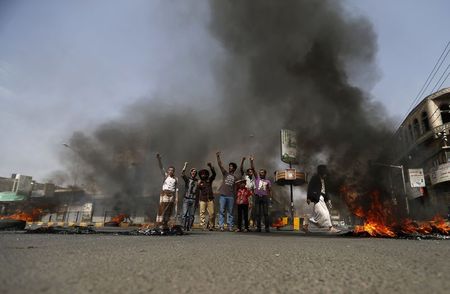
(12, 224)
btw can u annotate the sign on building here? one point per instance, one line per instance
(289, 152)
(86, 212)
(416, 177)
(413, 192)
(440, 174)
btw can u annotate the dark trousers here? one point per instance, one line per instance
(262, 207)
(242, 211)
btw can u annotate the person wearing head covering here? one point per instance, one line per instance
(318, 194)
(168, 195)
(190, 196)
(206, 197)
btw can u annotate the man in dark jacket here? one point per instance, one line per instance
(318, 194)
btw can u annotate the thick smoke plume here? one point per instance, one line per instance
(286, 64)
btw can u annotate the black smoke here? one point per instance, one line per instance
(285, 64)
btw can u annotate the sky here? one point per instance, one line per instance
(71, 65)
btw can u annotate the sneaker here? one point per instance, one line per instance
(211, 229)
(246, 230)
(238, 231)
(258, 230)
(222, 229)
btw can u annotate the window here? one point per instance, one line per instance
(411, 134)
(445, 113)
(416, 127)
(447, 156)
(425, 122)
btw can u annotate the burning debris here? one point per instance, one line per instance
(12, 225)
(19, 219)
(118, 220)
(25, 216)
(75, 230)
(382, 220)
(172, 231)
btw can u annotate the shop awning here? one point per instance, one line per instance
(9, 196)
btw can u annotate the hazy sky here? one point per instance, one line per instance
(69, 65)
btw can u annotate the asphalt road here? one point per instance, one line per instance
(216, 262)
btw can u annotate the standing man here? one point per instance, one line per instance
(249, 185)
(190, 196)
(167, 196)
(227, 193)
(206, 197)
(263, 191)
(318, 194)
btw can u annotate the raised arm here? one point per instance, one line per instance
(252, 166)
(219, 162)
(213, 172)
(241, 168)
(183, 171)
(161, 168)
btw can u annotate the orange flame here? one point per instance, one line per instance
(375, 229)
(278, 223)
(440, 225)
(379, 220)
(119, 218)
(24, 216)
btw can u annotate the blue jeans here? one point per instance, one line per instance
(226, 203)
(188, 213)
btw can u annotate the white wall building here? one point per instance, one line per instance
(424, 144)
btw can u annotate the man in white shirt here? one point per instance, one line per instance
(167, 196)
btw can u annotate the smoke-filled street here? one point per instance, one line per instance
(215, 262)
(303, 145)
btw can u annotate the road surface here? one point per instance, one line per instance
(221, 262)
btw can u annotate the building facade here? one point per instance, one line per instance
(424, 144)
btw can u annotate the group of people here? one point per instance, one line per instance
(249, 190)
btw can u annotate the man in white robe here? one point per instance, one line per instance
(317, 194)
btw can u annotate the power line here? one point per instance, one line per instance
(428, 80)
(448, 74)
(439, 67)
(437, 83)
